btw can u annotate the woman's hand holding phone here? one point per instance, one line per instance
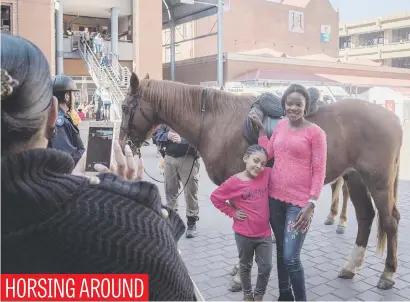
(127, 166)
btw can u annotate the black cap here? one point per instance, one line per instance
(63, 83)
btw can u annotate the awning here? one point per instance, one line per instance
(281, 75)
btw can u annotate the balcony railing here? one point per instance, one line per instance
(380, 51)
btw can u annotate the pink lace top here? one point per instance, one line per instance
(251, 197)
(300, 162)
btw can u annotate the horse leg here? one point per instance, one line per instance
(341, 228)
(384, 191)
(365, 213)
(334, 208)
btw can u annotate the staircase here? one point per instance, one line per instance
(113, 78)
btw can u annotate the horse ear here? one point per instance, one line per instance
(146, 76)
(134, 83)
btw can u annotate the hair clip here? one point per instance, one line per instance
(7, 84)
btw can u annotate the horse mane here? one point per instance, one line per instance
(178, 99)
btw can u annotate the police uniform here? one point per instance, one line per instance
(67, 136)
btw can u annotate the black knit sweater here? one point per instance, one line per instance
(54, 222)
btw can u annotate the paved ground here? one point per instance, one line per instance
(210, 256)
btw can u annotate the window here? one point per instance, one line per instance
(6, 18)
(345, 42)
(371, 39)
(401, 35)
(401, 62)
(177, 48)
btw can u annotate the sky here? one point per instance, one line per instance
(356, 10)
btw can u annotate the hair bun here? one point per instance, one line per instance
(7, 84)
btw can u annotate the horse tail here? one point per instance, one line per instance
(381, 234)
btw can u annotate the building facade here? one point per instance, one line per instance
(385, 39)
(137, 26)
(294, 27)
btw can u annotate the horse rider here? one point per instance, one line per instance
(180, 159)
(67, 136)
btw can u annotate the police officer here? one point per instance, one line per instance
(67, 136)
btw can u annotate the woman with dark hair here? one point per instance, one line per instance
(299, 148)
(56, 222)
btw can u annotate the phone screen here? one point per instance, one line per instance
(99, 147)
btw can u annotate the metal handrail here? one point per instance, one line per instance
(122, 73)
(102, 76)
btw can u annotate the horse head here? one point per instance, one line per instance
(138, 116)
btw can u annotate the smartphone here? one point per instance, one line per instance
(99, 146)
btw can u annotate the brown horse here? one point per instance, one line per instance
(364, 142)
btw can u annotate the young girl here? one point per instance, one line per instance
(247, 192)
(299, 148)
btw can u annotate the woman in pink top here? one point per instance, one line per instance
(297, 177)
(247, 192)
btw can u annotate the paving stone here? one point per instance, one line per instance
(316, 280)
(333, 255)
(361, 286)
(194, 270)
(231, 261)
(217, 291)
(220, 298)
(216, 258)
(370, 295)
(339, 283)
(311, 296)
(217, 265)
(405, 278)
(322, 289)
(217, 273)
(231, 248)
(345, 293)
(200, 262)
(215, 282)
(200, 249)
(328, 297)
(326, 266)
(215, 252)
(330, 275)
(320, 260)
(405, 293)
(199, 278)
(202, 286)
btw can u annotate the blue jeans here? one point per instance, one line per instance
(97, 48)
(288, 246)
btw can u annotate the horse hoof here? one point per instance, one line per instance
(234, 271)
(329, 221)
(385, 284)
(340, 229)
(235, 287)
(386, 280)
(345, 274)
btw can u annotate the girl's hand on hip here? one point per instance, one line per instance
(240, 215)
(304, 217)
